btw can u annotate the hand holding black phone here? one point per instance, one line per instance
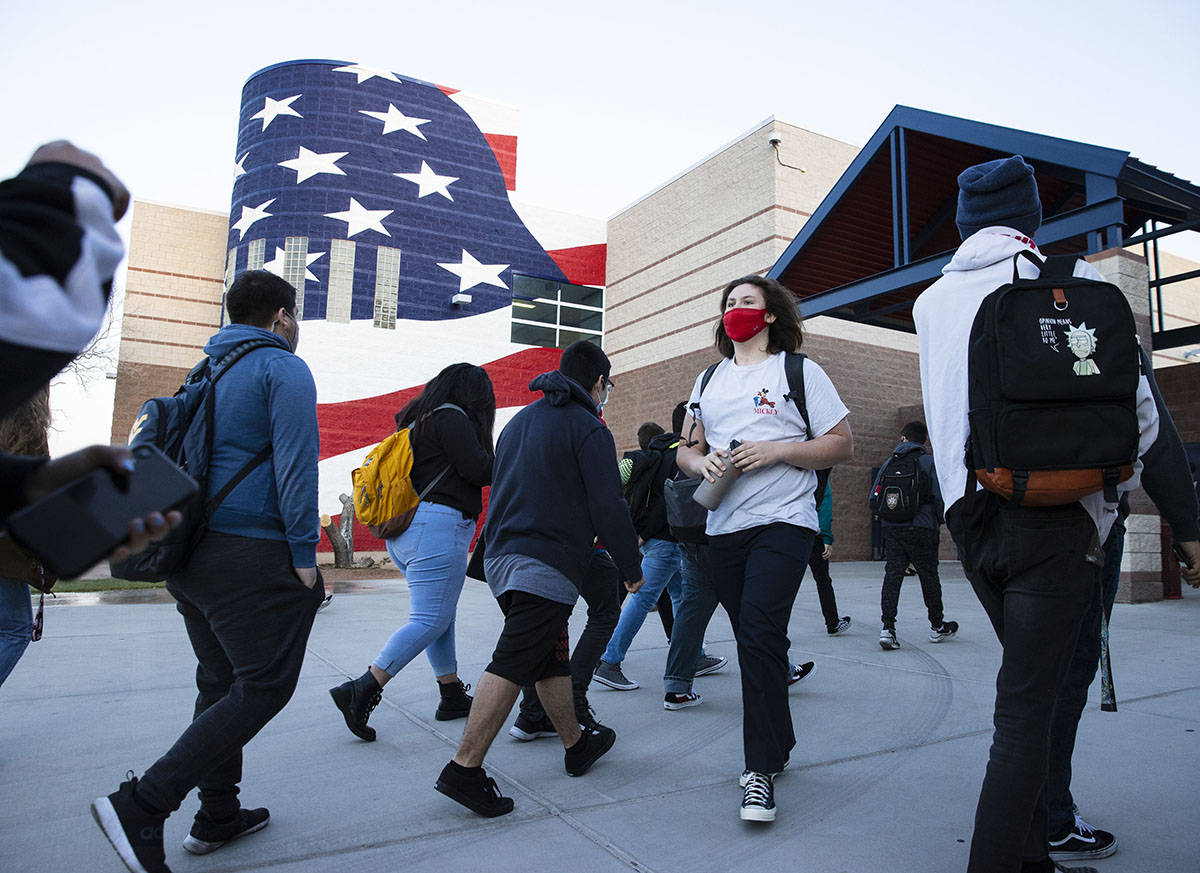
(81, 523)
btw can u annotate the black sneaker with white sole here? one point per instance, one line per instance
(758, 801)
(946, 631)
(682, 699)
(799, 671)
(593, 742)
(527, 728)
(706, 664)
(208, 835)
(474, 789)
(611, 675)
(135, 833)
(1081, 842)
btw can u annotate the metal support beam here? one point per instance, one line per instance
(944, 212)
(1194, 224)
(902, 158)
(1173, 339)
(893, 150)
(1178, 277)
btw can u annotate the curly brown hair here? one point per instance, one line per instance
(784, 334)
(24, 431)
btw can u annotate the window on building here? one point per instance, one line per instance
(295, 264)
(256, 254)
(387, 286)
(555, 314)
(341, 281)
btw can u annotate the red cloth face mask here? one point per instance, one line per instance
(742, 324)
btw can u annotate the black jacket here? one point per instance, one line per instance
(447, 439)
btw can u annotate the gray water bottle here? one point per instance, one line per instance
(710, 494)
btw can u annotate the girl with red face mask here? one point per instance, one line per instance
(761, 533)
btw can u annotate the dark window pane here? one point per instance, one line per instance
(577, 318)
(527, 334)
(527, 310)
(566, 337)
(581, 294)
(528, 286)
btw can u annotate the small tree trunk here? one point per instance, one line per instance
(347, 527)
(340, 554)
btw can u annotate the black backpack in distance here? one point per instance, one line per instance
(643, 490)
(1053, 370)
(896, 497)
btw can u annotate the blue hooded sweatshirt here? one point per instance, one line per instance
(269, 396)
(555, 485)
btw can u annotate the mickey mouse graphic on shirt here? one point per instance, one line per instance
(762, 405)
(1082, 342)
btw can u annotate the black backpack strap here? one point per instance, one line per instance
(1029, 256)
(1059, 268)
(793, 367)
(693, 408)
(227, 488)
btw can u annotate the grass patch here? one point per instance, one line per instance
(78, 585)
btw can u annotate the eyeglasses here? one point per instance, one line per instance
(607, 384)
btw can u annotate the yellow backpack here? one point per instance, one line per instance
(384, 498)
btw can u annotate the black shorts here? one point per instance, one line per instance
(533, 645)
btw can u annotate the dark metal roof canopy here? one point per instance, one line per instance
(884, 232)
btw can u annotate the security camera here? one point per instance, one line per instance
(775, 140)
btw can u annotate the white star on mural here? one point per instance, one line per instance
(308, 164)
(250, 215)
(394, 120)
(363, 72)
(471, 273)
(238, 169)
(275, 265)
(428, 182)
(272, 109)
(358, 218)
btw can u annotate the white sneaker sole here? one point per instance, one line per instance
(527, 736)
(683, 704)
(937, 638)
(200, 847)
(757, 813)
(888, 645)
(704, 671)
(106, 817)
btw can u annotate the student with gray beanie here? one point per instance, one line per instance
(1028, 565)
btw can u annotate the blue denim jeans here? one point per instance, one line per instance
(660, 568)
(432, 555)
(1072, 696)
(16, 624)
(691, 619)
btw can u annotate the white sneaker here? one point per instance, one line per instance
(887, 639)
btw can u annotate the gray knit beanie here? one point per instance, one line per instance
(1000, 192)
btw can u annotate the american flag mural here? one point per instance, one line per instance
(385, 201)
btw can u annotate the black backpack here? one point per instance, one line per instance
(182, 426)
(687, 518)
(897, 493)
(1053, 369)
(643, 490)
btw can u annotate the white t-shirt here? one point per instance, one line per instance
(747, 403)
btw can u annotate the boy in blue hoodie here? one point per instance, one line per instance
(555, 489)
(250, 589)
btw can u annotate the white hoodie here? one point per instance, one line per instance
(943, 315)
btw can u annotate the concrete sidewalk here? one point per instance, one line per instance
(891, 752)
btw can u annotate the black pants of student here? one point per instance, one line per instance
(601, 592)
(820, 571)
(904, 545)
(1030, 571)
(1072, 696)
(757, 573)
(248, 618)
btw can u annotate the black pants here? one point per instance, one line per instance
(1030, 571)
(757, 573)
(248, 618)
(904, 545)
(601, 592)
(820, 571)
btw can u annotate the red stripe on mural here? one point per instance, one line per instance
(505, 149)
(583, 265)
(447, 90)
(353, 424)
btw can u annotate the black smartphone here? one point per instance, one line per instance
(78, 525)
(1180, 556)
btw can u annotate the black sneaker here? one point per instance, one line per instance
(474, 789)
(137, 835)
(455, 703)
(946, 632)
(706, 664)
(527, 728)
(1082, 842)
(594, 741)
(208, 835)
(357, 699)
(841, 627)
(758, 802)
(799, 671)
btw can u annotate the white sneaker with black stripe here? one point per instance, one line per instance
(758, 802)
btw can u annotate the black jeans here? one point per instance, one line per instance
(757, 573)
(904, 545)
(248, 618)
(820, 571)
(1030, 571)
(601, 592)
(1072, 696)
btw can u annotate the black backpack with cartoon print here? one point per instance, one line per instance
(1053, 369)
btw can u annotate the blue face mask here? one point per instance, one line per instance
(607, 385)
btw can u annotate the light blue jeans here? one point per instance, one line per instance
(16, 624)
(432, 555)
(660, 568)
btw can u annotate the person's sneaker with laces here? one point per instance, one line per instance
(746, 774)
(357, 699)
(709, 664)
(681, 700)
(611, 675)
(208, 835)
(1081, 842)
(474, 789)
(945, 632)
(594, 741)
(799, 671)
(135, 833)
(887, 639)
(527, 728)
(758, 801)
(455, 702)
(843, 625)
